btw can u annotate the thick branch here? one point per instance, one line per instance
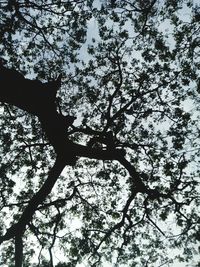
(96, 153)
(38, 198)
(33, 96)
(18, 250)
(38, 99)
(137, 182)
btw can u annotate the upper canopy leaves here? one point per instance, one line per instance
(130, 75)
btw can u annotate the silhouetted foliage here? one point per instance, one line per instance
(100, 132)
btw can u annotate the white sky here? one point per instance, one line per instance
(93, 32)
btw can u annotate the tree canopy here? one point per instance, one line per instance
(100, 133)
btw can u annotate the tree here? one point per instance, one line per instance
(102, 163)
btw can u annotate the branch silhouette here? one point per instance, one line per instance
(39, 99)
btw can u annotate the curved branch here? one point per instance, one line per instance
(55, 126)
(137, 181)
